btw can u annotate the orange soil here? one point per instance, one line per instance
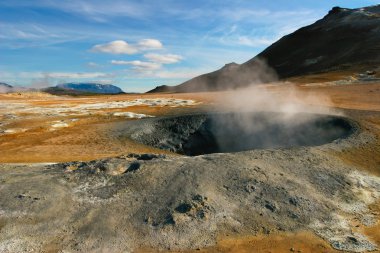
(89, 139)
(305, 242)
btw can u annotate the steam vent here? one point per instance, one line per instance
(233, 132)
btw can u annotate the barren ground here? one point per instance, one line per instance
(32, 130)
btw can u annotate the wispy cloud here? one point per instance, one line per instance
(96, 10)
(149, 44)
(123, 47)
(139, 65)
(163, 58)
(115, 47)
(75, 75)
(155, 62)
(93, 65)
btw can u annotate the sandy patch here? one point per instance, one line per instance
(131, 115)
(13, 130)
(58, 124)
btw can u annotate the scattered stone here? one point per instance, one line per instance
(133, 167)
(270, 206)
(250, 187)
(21, 196)
(183, 208)
(145, 157)
(293, 201)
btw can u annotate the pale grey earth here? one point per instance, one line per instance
(179, 202)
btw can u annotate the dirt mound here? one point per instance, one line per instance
(184, 202)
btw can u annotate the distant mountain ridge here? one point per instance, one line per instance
(91, 88)
(4, 88)
(345, 39)
(67, 89)
(6, 85)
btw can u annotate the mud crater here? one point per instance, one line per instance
(233, 132)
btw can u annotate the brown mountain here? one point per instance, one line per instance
(345, 39)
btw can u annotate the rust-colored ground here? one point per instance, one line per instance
(90, 137)
(93, 137)
(304, 241)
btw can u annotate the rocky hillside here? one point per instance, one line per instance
(345, 39)
(83, 88)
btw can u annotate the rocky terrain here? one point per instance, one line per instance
(110, 184)
(168, 202)
(344, 40)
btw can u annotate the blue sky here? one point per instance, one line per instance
(138, 45)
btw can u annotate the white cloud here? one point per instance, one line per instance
(163, 58)
(148, 44)
(139, 65)
(122, 47)
(115, 47)
(155, 62)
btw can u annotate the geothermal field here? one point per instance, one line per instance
(280, 153)
(182, 172)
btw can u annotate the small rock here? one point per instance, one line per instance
(184, 208)
(250, 188)
(293, 201)
(21, 196)
(133, 167)
(270, 206)
(353, 239)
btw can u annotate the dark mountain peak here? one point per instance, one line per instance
(161, 89)
(345, 39)
(230, 65)
(336, 10)
(374, 9)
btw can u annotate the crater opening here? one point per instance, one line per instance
(232, 132)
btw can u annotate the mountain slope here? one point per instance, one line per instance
(345, 39)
